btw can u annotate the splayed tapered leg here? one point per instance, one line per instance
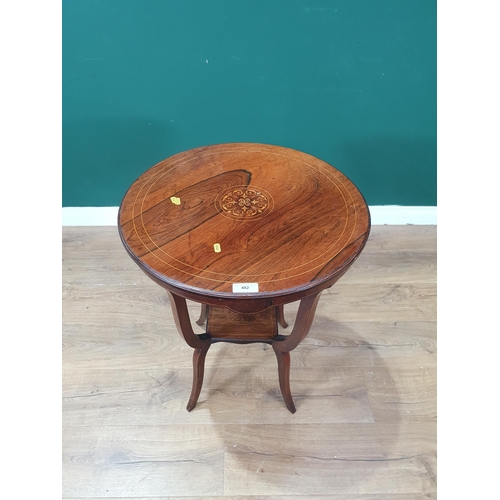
(280, 313)
(199, 356)
(203, 315)
(284, 345)
(283, 358)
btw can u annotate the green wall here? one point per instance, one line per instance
(350, 81)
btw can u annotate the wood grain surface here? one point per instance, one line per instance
(364, 383)
(237, 213)
(223, 323)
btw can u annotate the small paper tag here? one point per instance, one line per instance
(175, 200)
(245, 287)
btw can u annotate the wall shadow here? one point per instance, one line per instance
(325, 333)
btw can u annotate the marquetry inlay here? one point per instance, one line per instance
(244, 203)
(241, 318)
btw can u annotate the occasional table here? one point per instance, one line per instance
(243, 229)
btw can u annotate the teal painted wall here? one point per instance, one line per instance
(352, 82)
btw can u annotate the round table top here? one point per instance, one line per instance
(243, 220)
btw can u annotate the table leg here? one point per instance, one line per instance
(283, 346)
(280, 312)
(197, 342)
(284, 376)
(203, 315)
(198, 371)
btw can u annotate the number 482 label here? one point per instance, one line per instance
(245, 287)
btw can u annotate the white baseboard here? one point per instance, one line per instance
(381, 214)
(395, 215)
(90, 216)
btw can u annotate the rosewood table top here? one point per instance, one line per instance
(204, 220)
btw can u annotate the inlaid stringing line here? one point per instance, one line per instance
(227, 274)
(162, 172)
(242, 274)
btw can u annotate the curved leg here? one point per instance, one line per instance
(197, 342)
(203, 315)
(183, 323)
(280, 313)
(282, 348)
(198, 371)
(284, 377)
